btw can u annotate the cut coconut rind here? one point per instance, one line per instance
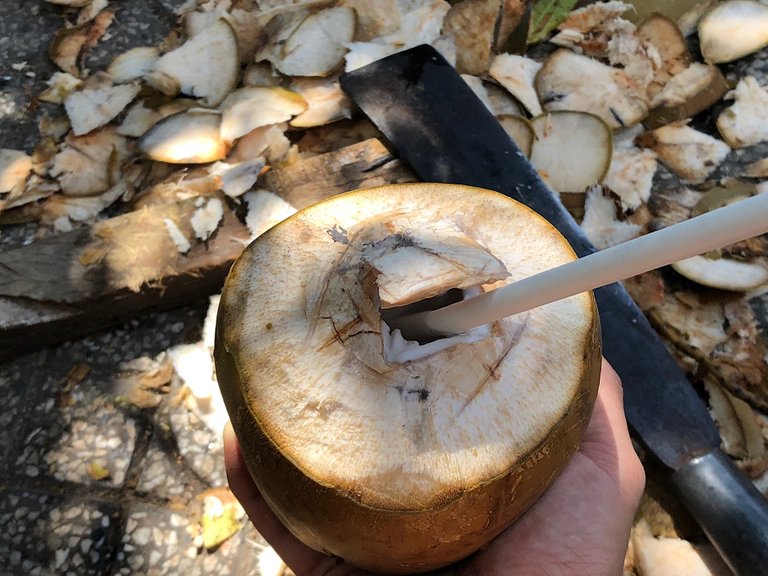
(133, 64)
(472, 24)
(316, 46)
(252, 107)
(569, 81)
(187, 138)
(732, 30)
(15, 166)
(746, 122)
(686, 94)
(517, 74)
(520, 130)
(630, 176)
(674, 57)
(89, 109)
(601, 224)
(723, 273)
(758, 169)
(571, 150)
(690, 154)
(205, 66)
(325, 101)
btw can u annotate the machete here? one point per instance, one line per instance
(444, 132)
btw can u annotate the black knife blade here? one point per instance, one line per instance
(445, 133)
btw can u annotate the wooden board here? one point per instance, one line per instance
(71, 284)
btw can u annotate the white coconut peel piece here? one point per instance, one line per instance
(191, 137)
(15, 166)
(746, 122)
(520, 130)
(690, 154)
(60, 85)
(238, 178)
(571, 150)
(630, 176)
(732, 30)
(261, 74)
(205, 220)
(252, 107)
(421, 23)
(568, 81)
(139, 118)
(472, 26)
(758, 169)
(478, 87)
(326, 101)
(665, 556)
(194, 365)
(517, 75)
(91, 108)
(205, 66)
(600, 223)
(375, 18)
(723, 273)
(586, 18)
(133, 64)
(685, 85)
(270, 563)
(61, 211)
(269, 141)
(316, 47)
(178, 237)
(738, 426)
(265, 209)
(88, 165)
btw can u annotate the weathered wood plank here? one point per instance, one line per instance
(74, 283)
(362, 165)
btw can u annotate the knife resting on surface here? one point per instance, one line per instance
(445, 133)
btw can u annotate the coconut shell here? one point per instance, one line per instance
(388, 533)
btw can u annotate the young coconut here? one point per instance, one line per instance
(395, 456)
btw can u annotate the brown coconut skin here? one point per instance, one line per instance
(400, 541)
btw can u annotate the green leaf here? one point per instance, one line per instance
(546, 16)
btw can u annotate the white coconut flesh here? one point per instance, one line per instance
(326, 382)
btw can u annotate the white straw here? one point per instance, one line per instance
(710, 231)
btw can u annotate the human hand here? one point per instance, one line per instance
(580, 526)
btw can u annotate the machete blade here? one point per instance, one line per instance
(446, 134)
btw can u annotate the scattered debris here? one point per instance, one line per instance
(192, 137)
(732, 30)
(744, 123)
(567, 81)
(205, 66)
(601, 224)
(571, 150)
(517, 74)
(144, 382)
(690, 154)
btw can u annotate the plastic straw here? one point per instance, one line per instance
(716, 229)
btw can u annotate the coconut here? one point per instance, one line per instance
(400, 456)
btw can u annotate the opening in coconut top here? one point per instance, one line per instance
(323, 375)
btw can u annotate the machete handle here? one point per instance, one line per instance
(730, 510)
